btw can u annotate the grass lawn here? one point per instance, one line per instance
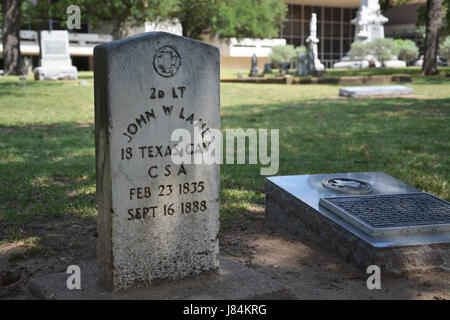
(47, 166)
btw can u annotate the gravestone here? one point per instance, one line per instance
(27, 65)
(284, 68)
(55, 63)
(302, 64)
(368, 91)
(254, 67)
(267, 68)
(158, 220)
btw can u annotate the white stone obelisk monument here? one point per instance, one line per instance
(314, 63)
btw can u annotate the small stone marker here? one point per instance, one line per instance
(157, 220)
(254, 68)
(367, 91)
(55, 63)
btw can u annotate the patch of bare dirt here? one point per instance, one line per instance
(318, 273)
(45, 247)
(312, 272)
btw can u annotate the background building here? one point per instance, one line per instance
(402, 23)
(334, 31)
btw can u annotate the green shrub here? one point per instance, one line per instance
(285, 53)
(359, 50)
(407, 50)
(383, 49)
(444, 50)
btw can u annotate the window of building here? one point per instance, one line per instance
(334, 29)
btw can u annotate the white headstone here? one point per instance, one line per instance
(366, 91)
(158, 220)
(55, 59)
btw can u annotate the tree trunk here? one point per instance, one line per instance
(116, 31)
(12, 59)
(432, 39)
(119, 28)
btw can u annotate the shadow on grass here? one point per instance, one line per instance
(49, 171)
(406, 138)
(46, 172)
(431, 80)
(10, 87)
(85, 76)
(412, 71)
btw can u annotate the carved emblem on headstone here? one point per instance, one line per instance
(167, 61)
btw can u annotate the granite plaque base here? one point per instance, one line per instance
(56, 73)
(293, 202)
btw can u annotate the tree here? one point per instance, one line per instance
(11, 23)
(432, 37)
(225, 18)
(445, 30)
(38, 13)
(445, 12)
(230, 18)
(125, 13)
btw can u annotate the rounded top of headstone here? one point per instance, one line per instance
(154, 37)
(347, 185)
